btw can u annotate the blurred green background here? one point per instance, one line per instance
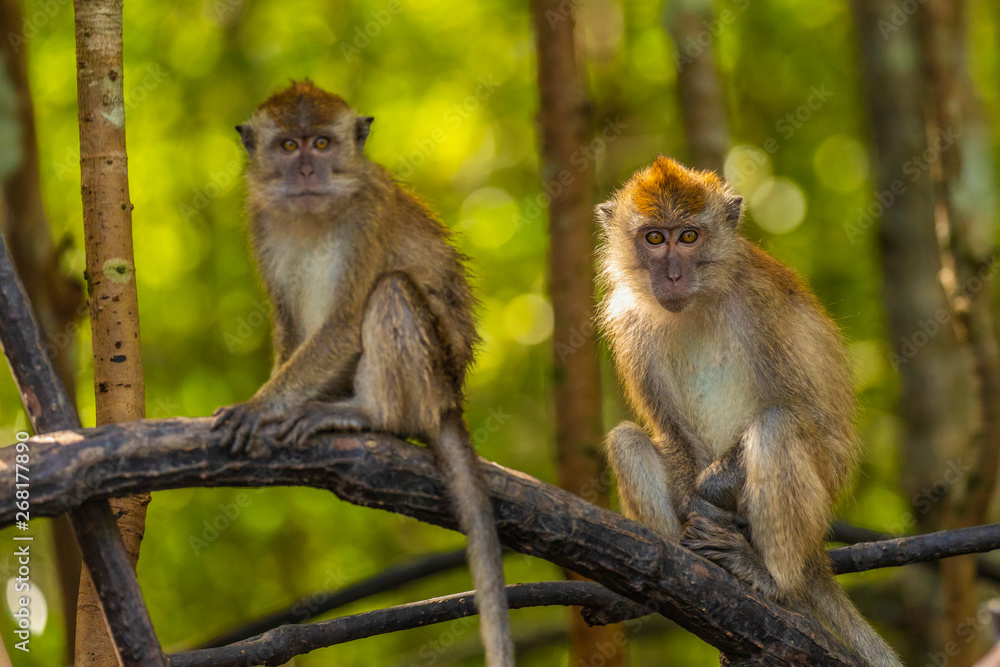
(452, 87)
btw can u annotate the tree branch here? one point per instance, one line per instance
(383, 472)
(916, 549)
(278, 646)
(386, 580)
(49, 409)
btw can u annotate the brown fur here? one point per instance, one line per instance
(373, 325)
(302, 104)
(741, 381)
(667, 185)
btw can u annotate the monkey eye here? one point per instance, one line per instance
(289, 145)
(321, 142)
(688, 236)
(655, 238)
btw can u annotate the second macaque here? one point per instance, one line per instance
(742, 386)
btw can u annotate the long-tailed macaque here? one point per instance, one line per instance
(373, 326)
(742, 384)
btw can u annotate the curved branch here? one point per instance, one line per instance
(383, 472)
(386, 580)
(278, 646)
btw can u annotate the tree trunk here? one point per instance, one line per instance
(55, 298)
(114, 315)
(565, 129)
(935, 401)
(703, 106)
(962, 182)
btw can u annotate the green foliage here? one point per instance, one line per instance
(451, 85)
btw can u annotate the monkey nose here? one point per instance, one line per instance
(306, 170)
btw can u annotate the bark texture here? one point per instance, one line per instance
(565, 129)
(114, 313)
(380, 471)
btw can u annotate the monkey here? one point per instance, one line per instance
(373, 326)
(742, 384)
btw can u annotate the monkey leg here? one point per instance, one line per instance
(784, 499)
(399, 384)
(643, 479)
(713, 527)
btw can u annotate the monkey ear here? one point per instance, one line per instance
(733, 209)
(605, 211)
(246, 136)
(363, 128)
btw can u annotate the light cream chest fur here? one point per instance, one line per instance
(308, 273)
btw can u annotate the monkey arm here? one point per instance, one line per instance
(321, 367)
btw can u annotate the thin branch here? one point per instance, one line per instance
(848, 534)
(383, 472)
(278, 646)
(386, 580)
(916, 549)
(49, 408)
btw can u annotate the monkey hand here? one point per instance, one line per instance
(723, 538)
(304, 421)
(237, 426)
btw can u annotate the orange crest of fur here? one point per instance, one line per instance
(303, 104)
(668, 186)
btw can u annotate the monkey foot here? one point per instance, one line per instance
(722, 540)
(308, 419)
(237, 425)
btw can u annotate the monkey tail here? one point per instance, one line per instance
(467, 491)
(835, 611)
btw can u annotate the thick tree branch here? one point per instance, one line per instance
(383, 472)
(278, 646)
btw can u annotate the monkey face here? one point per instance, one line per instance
(672, 256)
(306, 149)
(307, 167)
